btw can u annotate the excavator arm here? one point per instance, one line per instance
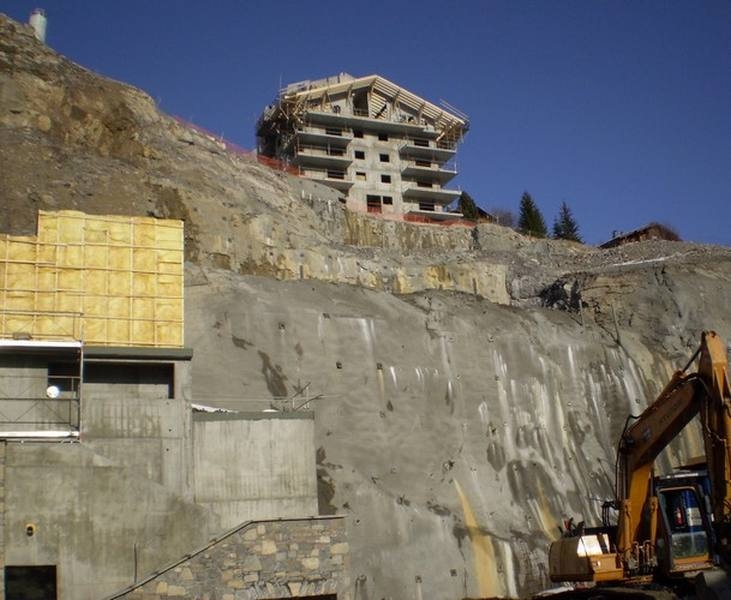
(716, 420)
(591, 555)
(639, 446)
(705, 393)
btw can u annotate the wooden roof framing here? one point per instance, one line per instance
(450, 125)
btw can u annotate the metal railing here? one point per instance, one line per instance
(322, 150)
(39, 412)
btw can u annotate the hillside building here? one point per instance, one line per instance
(652, 231)
(386, 149)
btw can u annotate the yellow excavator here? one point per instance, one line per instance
(674, 530)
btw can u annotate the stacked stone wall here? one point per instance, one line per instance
(261, 560)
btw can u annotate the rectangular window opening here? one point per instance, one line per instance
(426, 206)
(333, 131)
(359, 154)
(387, 200)
(26, 582)
(66, 376)
(383, 137)
(360, 175)
(384, 158)
(421, 142)
(357, 133)
(423, 163)
(373, 203)
(335, 174)
(117, 379)
(385, 179)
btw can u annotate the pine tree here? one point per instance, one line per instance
(468, 207)
(565, 227)
(531, 220)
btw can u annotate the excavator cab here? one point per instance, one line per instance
(685, 533)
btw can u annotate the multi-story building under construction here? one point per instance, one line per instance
(388, 150)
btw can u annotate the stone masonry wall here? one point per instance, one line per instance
(260, 560)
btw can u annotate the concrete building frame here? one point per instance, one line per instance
(386, 149)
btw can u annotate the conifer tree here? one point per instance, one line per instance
(531, 220)
(565, 226)
(468, 207)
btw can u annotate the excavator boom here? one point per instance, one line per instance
(664, 529)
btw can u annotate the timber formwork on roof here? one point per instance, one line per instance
(290, 110)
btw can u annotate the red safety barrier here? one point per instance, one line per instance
(412, 218)
(237, 150)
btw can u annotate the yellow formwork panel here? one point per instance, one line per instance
(106, 280)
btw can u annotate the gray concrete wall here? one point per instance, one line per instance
(92, 517)
(256, 467)
(456, 434)
(147, 433)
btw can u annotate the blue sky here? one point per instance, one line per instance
(622, 109)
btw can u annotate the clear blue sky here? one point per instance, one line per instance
(620, 108)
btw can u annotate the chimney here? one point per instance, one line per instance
(38, 22)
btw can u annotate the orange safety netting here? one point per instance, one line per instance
(237, 150)
(411, 218)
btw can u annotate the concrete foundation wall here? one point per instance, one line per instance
(99, 522)
(132, 425)
(255, 468)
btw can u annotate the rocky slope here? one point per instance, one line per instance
(469, 384)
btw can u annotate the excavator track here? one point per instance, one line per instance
(614, 593)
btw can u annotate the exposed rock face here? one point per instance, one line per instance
(469, 385)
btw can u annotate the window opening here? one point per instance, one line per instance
(387, 200)
(65, 376)
(423, 163)
(360, 104)
(151, 381)
(357, 133)
(333, 131)
(684, 520)
(383, 137)
(360, 175)
(421, 142)
(26, 582)
(426, 206)
(360, 154)
(335, 174)
(385, 179)
(384, 158)
(373, 203)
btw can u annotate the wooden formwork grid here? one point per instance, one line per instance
(106, 280)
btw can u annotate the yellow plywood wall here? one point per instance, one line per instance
(105, 280)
